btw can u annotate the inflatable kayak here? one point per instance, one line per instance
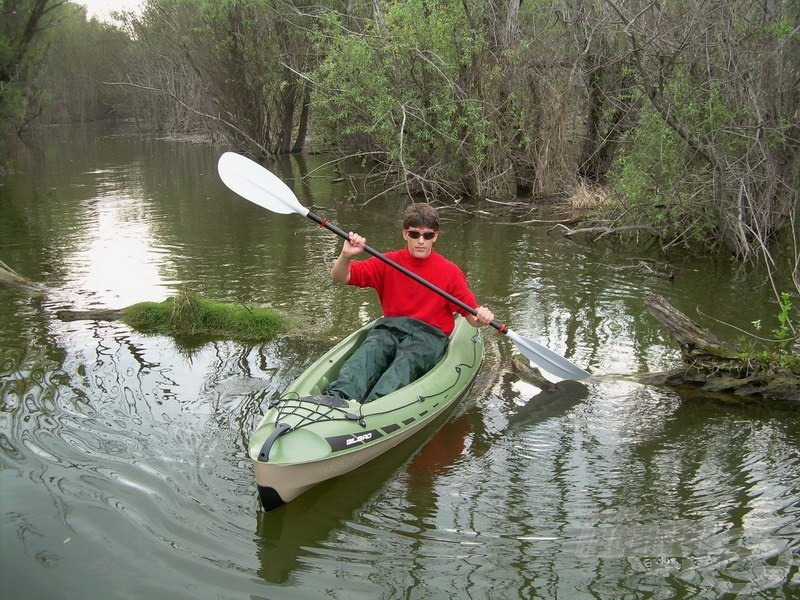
(306, 437)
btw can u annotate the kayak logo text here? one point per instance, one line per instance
(360, 439)
(351, 440)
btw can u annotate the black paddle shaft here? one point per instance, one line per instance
(322, 222)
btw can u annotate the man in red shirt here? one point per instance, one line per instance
(413, 333)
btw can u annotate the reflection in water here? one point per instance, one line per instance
(123, 466)
(548, 404)
(120, 263)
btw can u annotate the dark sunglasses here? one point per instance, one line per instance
(428, 235)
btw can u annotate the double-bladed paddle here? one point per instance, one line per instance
(258, 185)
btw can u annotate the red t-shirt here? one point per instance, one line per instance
(401, 296)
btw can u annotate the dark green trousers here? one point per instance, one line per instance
(396, 351)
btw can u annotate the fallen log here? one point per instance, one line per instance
(11, 278)
(97, 314)
(715, 366)
(602, 231)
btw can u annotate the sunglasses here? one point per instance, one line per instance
(427, 235)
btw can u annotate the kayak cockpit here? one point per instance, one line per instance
(306, 437)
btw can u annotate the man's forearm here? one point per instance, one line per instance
(340, 272)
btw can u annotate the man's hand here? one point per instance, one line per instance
(353, 246)
(340, 271)
(483, 317)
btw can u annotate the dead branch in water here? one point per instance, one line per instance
(682, 329)
(714, 366)
(561, 222)
(601, 232)
(11, 278)
(97, 314)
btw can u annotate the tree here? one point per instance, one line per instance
(83, 55)
(403, 90)
(22, 50)
(612, 99)
(234, 67)
(722, 81)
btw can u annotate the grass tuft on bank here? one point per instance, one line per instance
(189, 314)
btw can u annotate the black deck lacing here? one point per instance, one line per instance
(315, 409)
(308, 410)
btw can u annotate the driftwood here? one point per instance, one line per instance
(603, 231)
(691, 337)
(11, 278)
(97, 314)
(714, 366)
(521, 367)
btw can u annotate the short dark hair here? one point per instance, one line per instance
(422, 215)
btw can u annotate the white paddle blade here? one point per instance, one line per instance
(258, 185)
(546, 359)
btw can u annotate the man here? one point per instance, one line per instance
(413, 333)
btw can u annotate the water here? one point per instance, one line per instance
(123, 470)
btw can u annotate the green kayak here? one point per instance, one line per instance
(306, 437)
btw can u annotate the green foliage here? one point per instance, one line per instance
(785, 338)
(353, 101)
(666, 184)
(401, 88)
(83, 55)
(188, 314)
(461, 98)
(784, 332)
(22, 49)
(53, 62)
(662, 184)
(770, 360)
(727, 97)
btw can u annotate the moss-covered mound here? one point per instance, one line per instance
(188, 314)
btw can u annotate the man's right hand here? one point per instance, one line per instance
(353, 246)
(341, 268)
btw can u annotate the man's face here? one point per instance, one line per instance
(419, 247)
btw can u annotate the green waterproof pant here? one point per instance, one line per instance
(396, 351)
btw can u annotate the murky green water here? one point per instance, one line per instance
(123, 470)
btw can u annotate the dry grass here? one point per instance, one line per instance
(592, 197)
